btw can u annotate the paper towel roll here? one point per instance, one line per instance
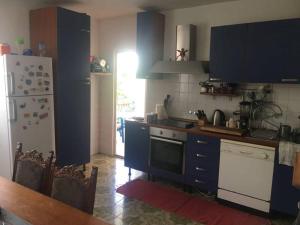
(161, 112)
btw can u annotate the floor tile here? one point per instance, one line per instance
(117, 209)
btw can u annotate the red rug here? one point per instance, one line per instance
(188, 206)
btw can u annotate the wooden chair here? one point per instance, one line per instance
(72, 187)
(31, 170)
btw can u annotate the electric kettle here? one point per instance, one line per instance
(218, 118)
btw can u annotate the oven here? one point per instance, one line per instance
(167, 150)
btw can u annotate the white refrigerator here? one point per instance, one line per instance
(26, 107)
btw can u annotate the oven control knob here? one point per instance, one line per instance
(161, 132)
(174, 135)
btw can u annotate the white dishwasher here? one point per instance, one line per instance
(246, 174)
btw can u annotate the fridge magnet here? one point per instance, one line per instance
(18, 63)
(28, 82)
(26, 68)
(46, 75)
(43, 116)
(47, 83)
(43, 100)
(39, 74)
(35, 114)
(26, 115)
(41, 67)
(24, 127)
(20, 87)
(46, 89)
(23, 106)
(33, 99)
(37, 122)
(42, 107)
(31, 74)
(26, 92)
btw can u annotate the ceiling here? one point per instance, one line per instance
(113, 8)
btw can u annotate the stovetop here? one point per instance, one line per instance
(175, 123)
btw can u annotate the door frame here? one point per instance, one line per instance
(115, 77)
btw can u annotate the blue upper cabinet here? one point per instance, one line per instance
(227, 52)
(150, 41)
(264, 52)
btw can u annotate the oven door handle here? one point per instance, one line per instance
(167, 140)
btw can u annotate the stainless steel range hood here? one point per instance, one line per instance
(185, 54)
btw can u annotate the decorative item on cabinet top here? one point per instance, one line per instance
(185, 55)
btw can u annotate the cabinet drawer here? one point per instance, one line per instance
(203, 144)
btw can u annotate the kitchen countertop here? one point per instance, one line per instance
(196, 130)
(38, 209)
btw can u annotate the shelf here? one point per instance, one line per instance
(101, 74)
(221, 94)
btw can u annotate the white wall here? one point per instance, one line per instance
(185, 89)
(14, 21)
(115, 35)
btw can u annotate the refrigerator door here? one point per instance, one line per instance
(28, 75)
(32, 123)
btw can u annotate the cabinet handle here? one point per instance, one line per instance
(215, 79)
(289, 80)
(200, 155)
(201, 142)
(143, 128)
(200, 169)
(246, 153)
(199, 181)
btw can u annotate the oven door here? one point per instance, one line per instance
(167, 155)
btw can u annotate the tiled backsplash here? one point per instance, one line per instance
(185, 95)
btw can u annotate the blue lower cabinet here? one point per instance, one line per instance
(136, 145)
(284, 197)
(202, 162)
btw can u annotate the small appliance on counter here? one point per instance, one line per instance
(245, 108)
(218, 118)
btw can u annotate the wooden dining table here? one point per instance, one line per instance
(37, 209)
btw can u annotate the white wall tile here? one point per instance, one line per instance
(185, 95)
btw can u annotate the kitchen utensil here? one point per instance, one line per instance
(218, 118)
(285, 131)
(151, 117)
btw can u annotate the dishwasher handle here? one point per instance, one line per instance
(249, 154)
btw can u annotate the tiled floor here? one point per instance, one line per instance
(117, 209)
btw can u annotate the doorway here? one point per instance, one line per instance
(130, 96)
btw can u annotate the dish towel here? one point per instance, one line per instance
(287, 152)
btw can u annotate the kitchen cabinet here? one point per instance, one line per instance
(284, 197)
(202, 162)
(269, 52)
(66, 35)
(227, 52)
(137, 141)
(262, 52)
(150, 42)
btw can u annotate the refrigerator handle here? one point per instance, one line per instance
(13, 110)
(12, 83)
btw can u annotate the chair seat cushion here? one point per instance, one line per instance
(70, 191)
(29, 174)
